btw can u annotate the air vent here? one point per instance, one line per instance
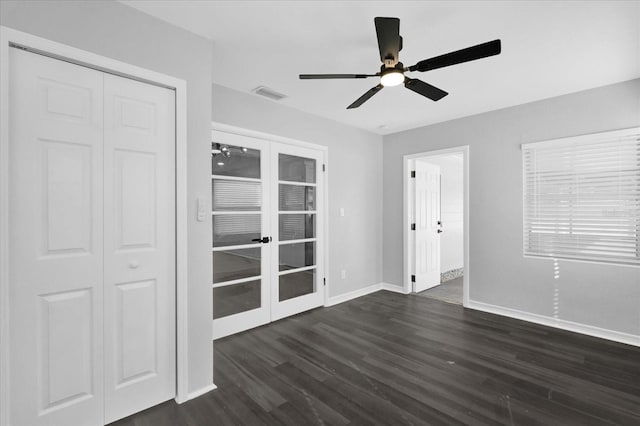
(268, 93)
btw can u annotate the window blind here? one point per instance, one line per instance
(582, 197)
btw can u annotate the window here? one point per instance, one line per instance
(582, 197)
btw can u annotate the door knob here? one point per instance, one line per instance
(133, 264)
(263, 240)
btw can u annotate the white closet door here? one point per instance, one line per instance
(55, 242)
(139, 291)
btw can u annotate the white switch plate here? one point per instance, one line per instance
(343, 274)
(202, 209)
(342, 211)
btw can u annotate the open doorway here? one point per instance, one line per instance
(436, 236)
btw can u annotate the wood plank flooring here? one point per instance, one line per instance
(392, 359)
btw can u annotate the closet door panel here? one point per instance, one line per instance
(139, 162)
(55, 241)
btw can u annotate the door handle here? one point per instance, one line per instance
(440, 231)
(263, 240)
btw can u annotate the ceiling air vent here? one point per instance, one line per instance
(268, 93)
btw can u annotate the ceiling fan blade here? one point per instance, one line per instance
(328, 76)
(362, 99)
(424, 89)
(389, 40)
(459, 56)
(331, 76)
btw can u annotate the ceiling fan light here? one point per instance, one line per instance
(392, 78)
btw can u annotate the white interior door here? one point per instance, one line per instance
(55, 242)
(428, 229)
(91, 244)
(139, 242)
(267, 231)
(240, 214)
(297, 222)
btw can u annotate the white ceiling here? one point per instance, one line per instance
(549, 48)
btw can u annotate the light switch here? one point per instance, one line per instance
(341, 211)
(202, 209)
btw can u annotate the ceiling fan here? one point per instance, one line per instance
(392, 72)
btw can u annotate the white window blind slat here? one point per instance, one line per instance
(582, 198)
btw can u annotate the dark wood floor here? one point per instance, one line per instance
(392, 359)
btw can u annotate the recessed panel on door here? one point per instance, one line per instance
(66, 348)
(137, 331)
(66, 204)
(135, 199)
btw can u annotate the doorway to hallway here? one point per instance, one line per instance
(436, 212)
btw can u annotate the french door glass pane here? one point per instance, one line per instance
(297, 255)
(231, 230)
(230, 160)
(236, 298)
(296, 284)
(233, 195)
(236, 264)
(296, 169)
(297, 197)
(296, 226)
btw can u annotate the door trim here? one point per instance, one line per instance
(9, 37)
(227, 128)
(408, 202)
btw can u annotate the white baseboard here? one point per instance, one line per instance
(363, 292)
(199, 392)
(575, 327)
(394, 288)
(341, 298)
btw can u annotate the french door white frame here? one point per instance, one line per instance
(409, 195)
(323, 234)
(245, 320)
(10, 37)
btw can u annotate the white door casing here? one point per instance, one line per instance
(139, 241)
(427, 221)
(65, 252)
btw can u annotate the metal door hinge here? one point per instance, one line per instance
(413, 173)
(413, 278)
(324, 280)
(413, 226)
(323, 168)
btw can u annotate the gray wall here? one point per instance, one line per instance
(111, 29)
(355, 180)
(592, 294)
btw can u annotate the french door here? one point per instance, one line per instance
(267, 213)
